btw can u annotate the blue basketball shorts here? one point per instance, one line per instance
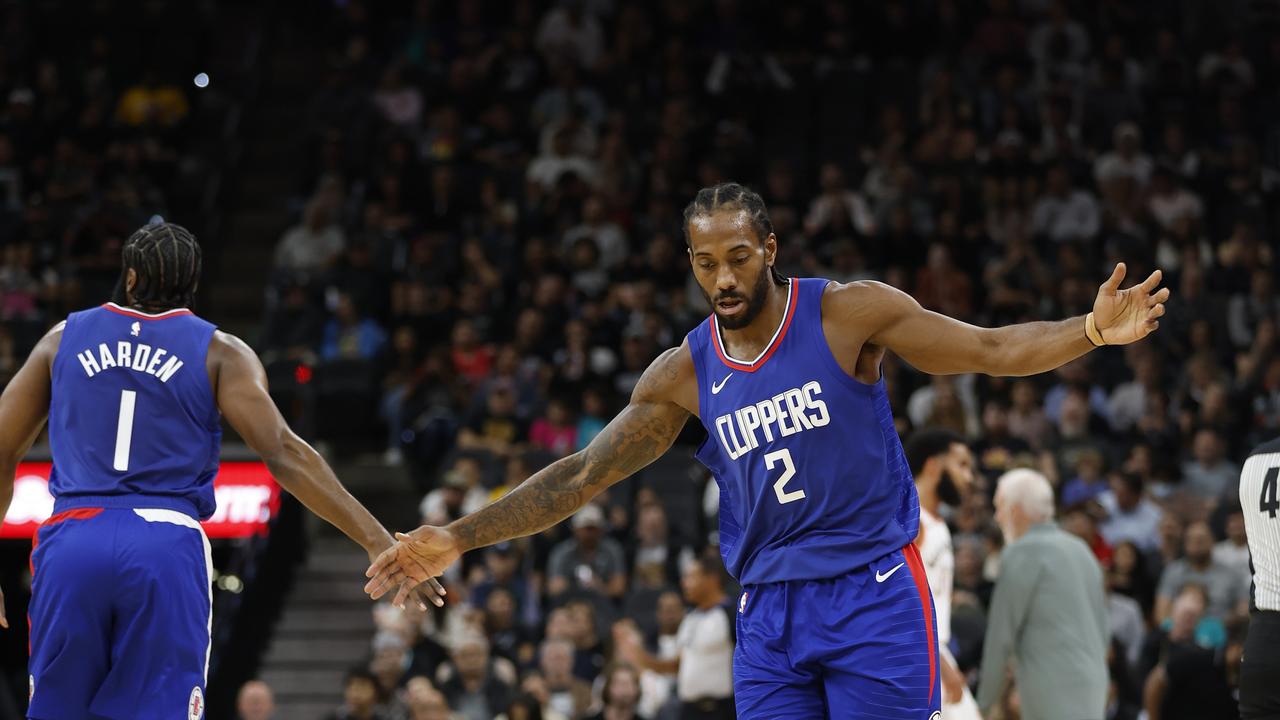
(120, 614)
(861, 646)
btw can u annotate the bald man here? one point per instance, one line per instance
(1047, 611)
(255, 701)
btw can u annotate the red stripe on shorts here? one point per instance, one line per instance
(916, 565)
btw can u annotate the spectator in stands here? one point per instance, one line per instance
(703, 661)
(472, 687)
(351, 335)
(255, 701)
(583, 632)
(655, 559)
(496, 428)
(621, 694)
(314, 244)
(390, 660)
(1129, 515)
(1065, 214)
(1233, 552)
(555, 432)
(1184, 678)
(152, 102)
(461, 491)
(1228, 589)
(589, 561)
(360, 698)
(1129, 575)
(568, 694)
(1209, 473)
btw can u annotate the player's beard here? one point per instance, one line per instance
(754, 302)
(948, 491)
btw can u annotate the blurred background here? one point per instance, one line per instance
(453, 232)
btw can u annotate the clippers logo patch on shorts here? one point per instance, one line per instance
(195, 706)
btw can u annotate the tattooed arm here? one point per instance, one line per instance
(640, 434)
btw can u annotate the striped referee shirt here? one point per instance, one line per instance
(1260, 502)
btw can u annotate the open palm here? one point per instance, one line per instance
(1126, 316)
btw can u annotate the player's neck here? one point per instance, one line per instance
(750, 341)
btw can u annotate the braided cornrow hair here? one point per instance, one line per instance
(732, 196)
(166, 259)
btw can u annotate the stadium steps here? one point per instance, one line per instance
(326, 629)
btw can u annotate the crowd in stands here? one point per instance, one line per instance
(95, 140)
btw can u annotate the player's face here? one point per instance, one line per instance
(957, 475)
(731, 265)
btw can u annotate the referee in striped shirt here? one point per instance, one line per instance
(1260, 501)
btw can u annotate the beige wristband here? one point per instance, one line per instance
(1092, 332)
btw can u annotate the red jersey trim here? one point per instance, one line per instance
(793, 298)
(145, 316)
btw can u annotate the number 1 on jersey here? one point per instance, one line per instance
(788, 472)
(124, 429)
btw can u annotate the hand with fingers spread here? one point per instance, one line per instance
(1121, 317)
(416, 558)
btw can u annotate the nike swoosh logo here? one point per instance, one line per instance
(881, 578)
(715, 387)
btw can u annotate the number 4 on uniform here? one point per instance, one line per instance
(1268, 502)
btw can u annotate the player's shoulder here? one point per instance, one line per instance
(670, 377)
(225, 349)
(860, 297)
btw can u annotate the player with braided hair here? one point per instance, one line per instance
(134, 392)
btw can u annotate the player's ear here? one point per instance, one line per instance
(130, 281)
(771, 249)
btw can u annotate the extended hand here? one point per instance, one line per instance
(418, 557)
(1125, 316)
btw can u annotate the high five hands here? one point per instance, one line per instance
(416, 558)
(1124, 316)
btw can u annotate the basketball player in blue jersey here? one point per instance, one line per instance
(818, 510)
(120, 592)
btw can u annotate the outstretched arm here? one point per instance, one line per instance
(23, 409)
(640, 434)
(241, 391)
(941, 345)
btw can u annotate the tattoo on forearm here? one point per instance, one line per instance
(637, 437)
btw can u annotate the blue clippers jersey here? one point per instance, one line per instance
(813, 482)
(132, 411)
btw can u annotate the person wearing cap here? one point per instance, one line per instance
(589, 561)
(1126, 161)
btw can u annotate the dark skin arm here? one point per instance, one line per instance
(240, 388)
(862, 319)
(24, 406)
(661, 403)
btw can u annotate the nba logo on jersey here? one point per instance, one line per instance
(135, 329)
(195, 706)
(742, 604)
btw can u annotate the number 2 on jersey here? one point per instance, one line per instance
(1268, 502)
(124, 429)
(788, 472)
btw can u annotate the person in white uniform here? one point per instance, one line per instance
(942, 466)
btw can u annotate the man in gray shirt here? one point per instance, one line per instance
(1047, 611)
(1228, 588)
